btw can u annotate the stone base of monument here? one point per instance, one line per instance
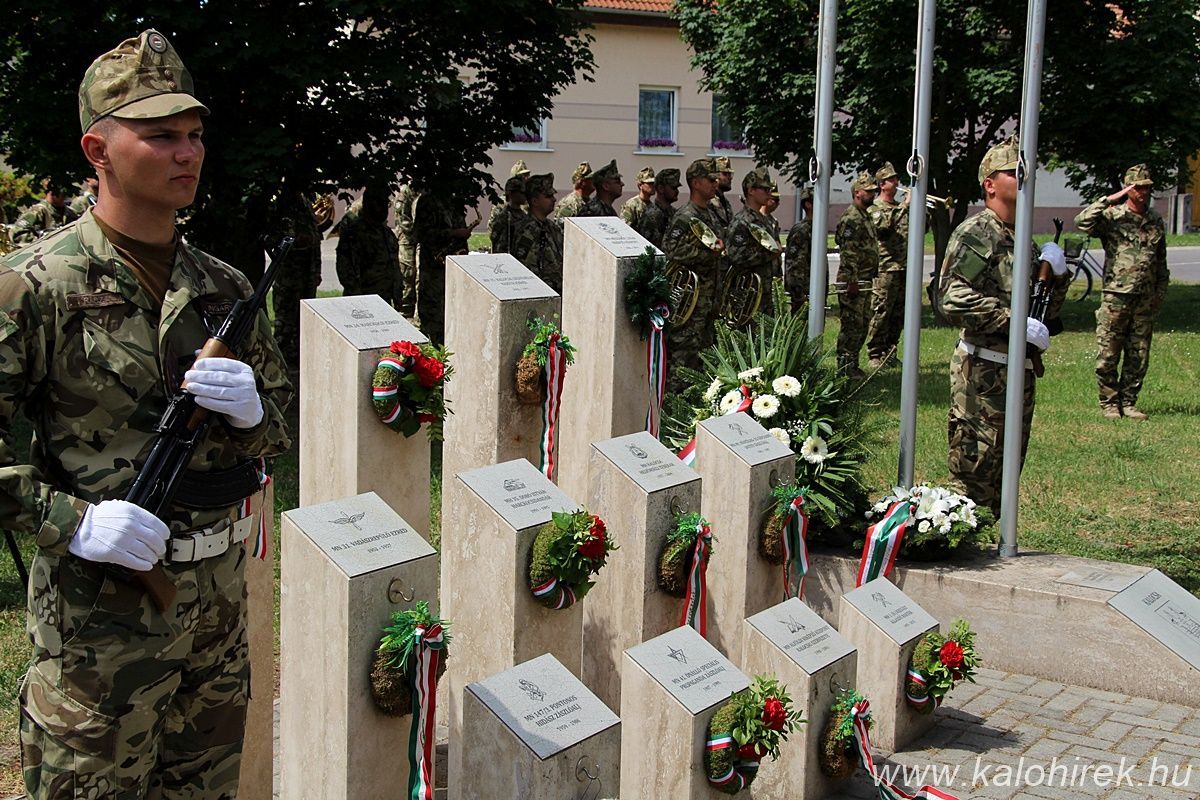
(813, 661)
(886, 626)
(670, 688)
(535, 732)
(1022, 608)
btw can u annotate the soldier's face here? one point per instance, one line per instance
(156, 162)
(704, 186)
(1139, 198)
(758, 197)
(1003, 186)
(725, 181)
(888, 186)
(668, 194)
(542, 204)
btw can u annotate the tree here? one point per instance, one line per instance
(333, 93)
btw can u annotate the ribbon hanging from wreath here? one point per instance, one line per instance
(648, 304)
(656, 365)
(883, 543)
(683, 565)
(422, 737)
(407, 388)
(938, 664)
(568, 550)
(695, 602)
(556, 371)
(887, 789)
(544, 360)
(795, 548)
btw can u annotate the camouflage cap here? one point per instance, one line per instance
(865, 181)
(1002, 156)
(885, 172)
(724, 164)
(140, 78)
(519, 170)
(645, 175)
(667, 177)
(775, 190)
(515, 184)
(609, 170)
(1138, 175)
(540, 184)
(580, 172)
(758, 178)
(703, 168)
(805, 193)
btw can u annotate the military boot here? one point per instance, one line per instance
(1110, 411)
(1133, 412)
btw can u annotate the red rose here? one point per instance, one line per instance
(598, 526)
(593, 548)
(406, 349)
(752, 752)
(429, 371)
(951, 655)
(427, 417)
(774, 715)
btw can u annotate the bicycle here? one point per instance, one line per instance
(1075, 248)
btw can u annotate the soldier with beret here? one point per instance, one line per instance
(507, 219)
(608, 184)
(859, 262)
(572, 205)
(101, 323)
(635, 207)
(539, 243)
(658, 214)
(722, 209)
(976, 293)
(891, 232)
(752, 243)
(44, 216)
(797, 253)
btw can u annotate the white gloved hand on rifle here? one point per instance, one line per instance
(1037, 334)
(1054, 254)
(118, 532)
(226, 386)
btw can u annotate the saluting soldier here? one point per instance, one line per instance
(634, 209)
(751, 244)
(608, 184)
(506, 219)
(891, 232)
(859, 262)
(539, 243)
(658, 214)
(797, 253)
(722, 209)
(572, 205)
(47, 214)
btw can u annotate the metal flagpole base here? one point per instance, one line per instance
(1008, 550)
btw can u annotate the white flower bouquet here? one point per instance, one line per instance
(943, 520)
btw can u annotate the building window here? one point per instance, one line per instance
(534, 138)
(657, 115)
(726, 140)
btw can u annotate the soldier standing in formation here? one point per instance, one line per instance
(102, 321)
(539, 243)
(722, 209)
(572, 205)
(634, 210)
(368, 257)
(406, 292)
(859, 262)
(608, 184)
(298, 279)
(976, 293)
(87, 195)
(772, 207)
(891, 230)
(751, 243)
(507, 219)
(47, 214)
(440, 229)
(797, 254)
(1135, 287)
(659, 213)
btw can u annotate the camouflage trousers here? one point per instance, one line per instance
(406, 290)
(887, 314)
(123, 701)
(855, 315)
(686, 342)
(431, 299)
(796, 281)
(1124, 326)
(977, 390)
(289, 289)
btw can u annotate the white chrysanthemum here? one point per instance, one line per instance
(786, 385)
(814, 450)
(765, 405)
(713, 390)
(748, 375)
(923, 526)
(730, 401)
(880, 507)
(781, 435)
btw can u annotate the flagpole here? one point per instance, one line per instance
(820, 167)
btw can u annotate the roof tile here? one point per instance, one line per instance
(643, 6)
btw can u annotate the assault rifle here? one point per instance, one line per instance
(1039, 303)
(185, 424)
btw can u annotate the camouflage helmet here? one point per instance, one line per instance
(580, 172)
(1138, 175)
(1003, 156)
(667, 177)
(885, 172)
(758, 178)
(645, 175)
(540, 184)
(519, 170)
(140, 78)
(515, 184)
(865, 181)
(703, 168)
(609, 170)
(724, 164)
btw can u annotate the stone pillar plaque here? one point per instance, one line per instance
(885, 625)
(636, 483)
(344, 448)
(740, 463)
(606, 393)
(808, 656)
(535, 732)
(347, 566)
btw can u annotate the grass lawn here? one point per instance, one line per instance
(1116, 490)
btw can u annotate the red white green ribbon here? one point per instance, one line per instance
(795, 548)
(556, 372)
(656, 366)
(883, 543)
(746, 402)
(741, 771)
(887, 790)
(688, 454)
(562, 594)
(918, 701)
(390, 391)
(422, 737)
(260, 542)
(695, 602)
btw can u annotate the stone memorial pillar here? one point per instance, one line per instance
(347, 566)
(740, 463)
(885, 625)
(344, 449)
(535, 732)
(808, 656)
(671, 687)
(636, 483)
(258, 750)
(606, 394)
(497, 622)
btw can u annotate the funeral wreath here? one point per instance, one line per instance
(531, 367)
(942, 521)
(408, 387)
(747, 728)
(393, 671)
(938, 664)
(567, 552)
(836, 755)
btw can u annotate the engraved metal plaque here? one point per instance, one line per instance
(892, 611)
(503, 276)
(1166, 611)
(614, 235)
(1109, 579)
(518, 492)
(360, 534)
(547, 707)
(746, 438)
(797, 630)
(689, 668)
(367, 321)
(647, 461)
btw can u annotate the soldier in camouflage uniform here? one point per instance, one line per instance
(572, 205)
(300, 276)
(797, 253)
(506, 220)
(122, 699)
(691, 242)
(722, 209)
(87, 196)
(772, 207)
(891, 230)
(47, 214)
(609, 186)
(440, 228)
(539, 243)
(634, 210)
(658, 214)
(976, 293)
(1135, 287)
(368, 256)
(859, 262)
(752, 245)
(406, 292)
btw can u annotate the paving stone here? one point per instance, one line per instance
(1111, 731)
(1046, 689)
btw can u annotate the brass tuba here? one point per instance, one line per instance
(322, 209)
(741, 297)
(685, 291)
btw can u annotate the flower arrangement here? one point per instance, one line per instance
(530, 370)
(648, 292)
(395, 658)
(836, 754)
(675, 562)
(656, 142)
(725, 144)
(748, 727)
(942, 521)
(939, 663)
(408, 387)
(526, 137)
(568, 550)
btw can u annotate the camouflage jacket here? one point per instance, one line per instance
(891, 231)
(1135, 247)
(634, 211)
(797, 258)
(975, 286)
(39, 219)
(503, 224)
(654, 223)
(857, 246)
(539, 246)
(570, 206)
(433, 223)
(597, 208)
(86, 355)
(406, 201)
(722, 213)
(368, 258)
(692, 240)
(744, 246)
(82, 202)
(292, 215)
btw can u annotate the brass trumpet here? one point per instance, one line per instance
(933, 202)
(322, 209)
(741, 297)
(685, 290)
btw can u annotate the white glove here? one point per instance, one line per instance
(1037, 334)
(1054, 254)
(117, 532)
(226, 385)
